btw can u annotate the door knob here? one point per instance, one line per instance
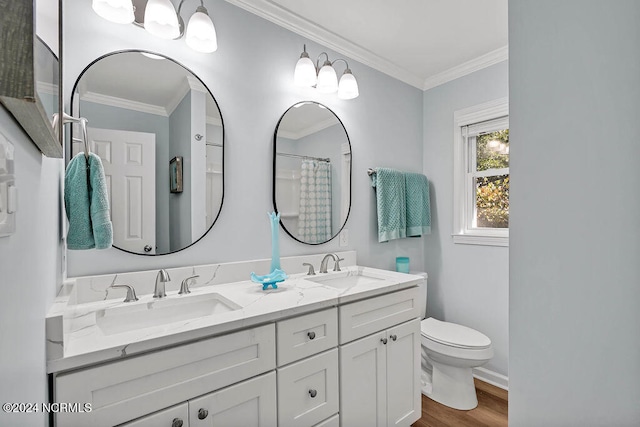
(393, 337)
(313, 393)
(202, 413)
(177, 422)
(384, 341)
(147, 248)
(311, 335)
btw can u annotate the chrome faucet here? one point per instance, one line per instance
(325, 261)
(161, 279)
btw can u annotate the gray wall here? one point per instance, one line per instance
(108, 117)
(385, 120)
(575, 233)
(30, 273)
(468, 284)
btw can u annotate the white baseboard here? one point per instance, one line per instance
(492, 378)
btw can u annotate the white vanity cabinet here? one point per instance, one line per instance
(125, 390)
(380, 373)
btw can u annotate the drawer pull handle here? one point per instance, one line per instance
(177, 422)
(202, 413)
(384, 341)
(313, 393)
(393, 337)
(311, 335)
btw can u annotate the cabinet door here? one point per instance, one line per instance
(308, 390)
(251, 403)
(404, 404)
(363, 382)
(176, 416)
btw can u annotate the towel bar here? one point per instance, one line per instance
(370, 171)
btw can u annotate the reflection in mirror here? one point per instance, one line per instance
(312, 173)
(47, 74)
(145, 110)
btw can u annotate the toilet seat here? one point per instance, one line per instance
(453, 335)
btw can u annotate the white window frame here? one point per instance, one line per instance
(462, 209)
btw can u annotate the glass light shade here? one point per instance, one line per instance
(327, 79)
(305, 73)
(161, 19)
(201, 34)
(118, 11)
(348, 87)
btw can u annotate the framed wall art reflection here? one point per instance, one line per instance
(175, 174)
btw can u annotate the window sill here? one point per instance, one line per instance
(474, 239)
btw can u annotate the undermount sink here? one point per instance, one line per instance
(126, 318)
(346, 279)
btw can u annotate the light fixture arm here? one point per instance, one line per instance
(345, 62)
(327, 62)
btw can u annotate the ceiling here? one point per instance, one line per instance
(421, 42)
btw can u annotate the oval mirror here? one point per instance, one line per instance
(160, 135)
(311, 173)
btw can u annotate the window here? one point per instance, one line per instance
(481, 180)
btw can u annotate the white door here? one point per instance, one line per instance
(363, 388)
(251, 403)
(404, 401)
(129, 160)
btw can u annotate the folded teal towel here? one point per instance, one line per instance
(86, 202)
(418, 204)
(390, 198)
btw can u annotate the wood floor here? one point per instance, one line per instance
(491, 410)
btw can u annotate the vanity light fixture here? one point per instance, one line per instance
(160, 18)
(324, 78)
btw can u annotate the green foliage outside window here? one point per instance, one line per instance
(492, 193)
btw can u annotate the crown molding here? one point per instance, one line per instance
(280, 16)
(113, 101)
(46, 87)
(484, 61)
(283, 17)
(309, 130)
(215, 121)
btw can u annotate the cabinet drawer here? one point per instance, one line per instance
(303, 336)
(365, 317)
(251, 403)
(308, 390)
(177, 416)
(331, 422)
(125, 390)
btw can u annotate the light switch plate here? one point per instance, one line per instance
(8, 191)
(344, 238)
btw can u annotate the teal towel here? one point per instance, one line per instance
(418, 204)
(86, 202)
(390, 198)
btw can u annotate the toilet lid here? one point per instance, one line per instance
(453, 335)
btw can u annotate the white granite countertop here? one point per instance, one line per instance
(84, 342)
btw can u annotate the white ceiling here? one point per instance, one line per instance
(421, 42)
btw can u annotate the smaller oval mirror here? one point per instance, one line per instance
(311, 173)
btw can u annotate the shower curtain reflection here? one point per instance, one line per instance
(314, 222)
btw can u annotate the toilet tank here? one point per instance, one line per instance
(423, 293)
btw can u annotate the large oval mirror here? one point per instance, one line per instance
(311, 173)
(160, 135)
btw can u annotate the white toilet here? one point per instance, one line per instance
(449, 353)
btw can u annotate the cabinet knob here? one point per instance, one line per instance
(147, 248)
(177, 422)
(311, 335)
(313, 393)
(384, 341)
(393, 337)
(202, 413)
